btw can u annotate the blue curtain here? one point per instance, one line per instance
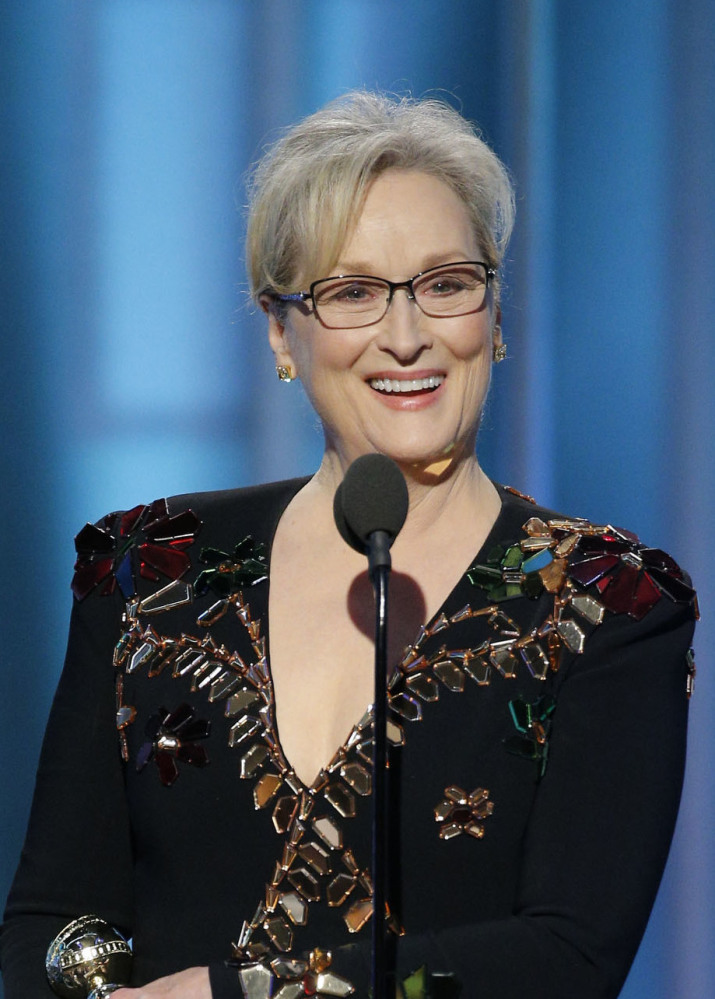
(134, 368)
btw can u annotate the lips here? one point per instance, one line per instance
(406, 386)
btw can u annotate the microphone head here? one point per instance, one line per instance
(371, 497)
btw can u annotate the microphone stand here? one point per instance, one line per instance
(380, 563)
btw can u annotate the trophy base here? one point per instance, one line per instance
(102, 991)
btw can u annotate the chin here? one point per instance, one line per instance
(411, 451)
(418, 458)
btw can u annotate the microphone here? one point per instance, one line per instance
(370, 507)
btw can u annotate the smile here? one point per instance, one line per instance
(404, 385)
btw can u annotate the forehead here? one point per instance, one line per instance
(411, 220)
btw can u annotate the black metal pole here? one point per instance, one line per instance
(380, 977)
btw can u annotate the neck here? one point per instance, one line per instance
(438, 490)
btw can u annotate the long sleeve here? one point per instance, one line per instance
(77, 854)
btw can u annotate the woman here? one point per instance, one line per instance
(540, 663)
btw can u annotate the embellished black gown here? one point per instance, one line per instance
(537, 729)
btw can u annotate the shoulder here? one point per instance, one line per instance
(578, 576)
(572, 553)
(154, 540)
(257, 501)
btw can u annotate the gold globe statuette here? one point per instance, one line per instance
(88, 959)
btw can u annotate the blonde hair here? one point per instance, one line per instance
(306, 191)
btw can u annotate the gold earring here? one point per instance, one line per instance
(284, 374)
(499, 352)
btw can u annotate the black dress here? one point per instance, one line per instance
(538, 733)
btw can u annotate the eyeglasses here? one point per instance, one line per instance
(350, 301)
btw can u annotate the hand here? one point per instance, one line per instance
(190, 984)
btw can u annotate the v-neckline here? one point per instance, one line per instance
(343, 748)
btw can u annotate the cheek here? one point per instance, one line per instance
(472, 341)
(321, 354)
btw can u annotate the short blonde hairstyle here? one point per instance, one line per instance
(307, 190)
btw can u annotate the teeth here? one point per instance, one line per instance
(403, 385)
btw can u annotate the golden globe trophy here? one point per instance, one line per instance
(88, 959)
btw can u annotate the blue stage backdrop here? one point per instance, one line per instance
(133, 366)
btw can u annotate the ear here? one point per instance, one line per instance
(496, 328)
(277, 334)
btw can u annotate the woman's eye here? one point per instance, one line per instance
(451, 283)
(445, 286)
(354, 293)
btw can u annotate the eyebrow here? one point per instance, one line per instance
(433, 260)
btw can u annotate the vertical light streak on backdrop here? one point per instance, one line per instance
(688, 245)
(162, 384)
(610, 189)
(524, 393)
(609, 363)
(38, 189)
(282, 65)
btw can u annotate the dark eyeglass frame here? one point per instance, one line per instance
(301, 297)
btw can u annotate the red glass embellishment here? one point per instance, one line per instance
(108, 552)
(630, 577)
(172, 736)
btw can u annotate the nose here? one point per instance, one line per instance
(403, 331)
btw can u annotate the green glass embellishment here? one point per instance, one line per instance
(512, 572)
(513, 558)
(533, 722)
(484, 576)
(416, 985)
(245, 566)
(423, 985)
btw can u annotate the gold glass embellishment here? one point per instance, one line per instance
(358, 914)
(460, 812)
(424, 686)
(451, 675)
(316, 856)
(304, 882)
(253, 760)
(329, 832)
(266, 787)
(284, 813)
(339, 889)
(243, 729)
(359, 779)
(295, 908)
(279, 932)
(588, 607)
(341, 799)
(573, 636)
